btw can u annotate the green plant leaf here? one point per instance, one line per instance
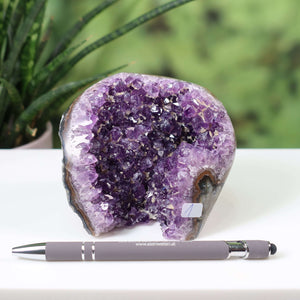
(37, 29)
(58, 96)
(46, 71)
(44, 40)
(30, 132)
(16, 19)
(14, 96)
(20, 38)
(4, 46)
(1, 9)
(117, 33)
(2, 31)
(72, 32)
(5, 23)
(28, 52)
(2, 35)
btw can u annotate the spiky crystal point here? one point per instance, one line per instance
(140, 148)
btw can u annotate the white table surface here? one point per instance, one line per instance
(260, 200)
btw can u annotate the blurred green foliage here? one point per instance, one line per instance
(247, 52)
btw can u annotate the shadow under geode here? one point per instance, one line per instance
(255, 188)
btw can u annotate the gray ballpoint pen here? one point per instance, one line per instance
(146, 250)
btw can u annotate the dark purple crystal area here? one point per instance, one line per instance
(136, 147)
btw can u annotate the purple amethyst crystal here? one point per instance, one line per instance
(140, 148)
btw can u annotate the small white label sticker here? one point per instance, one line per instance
(191, 210)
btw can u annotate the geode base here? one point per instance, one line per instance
(140, 148)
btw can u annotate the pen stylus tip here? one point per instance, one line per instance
(273, 249)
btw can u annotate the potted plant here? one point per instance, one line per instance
(28, 81)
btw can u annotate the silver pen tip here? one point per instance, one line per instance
(32, 251)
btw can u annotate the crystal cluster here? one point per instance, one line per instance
(138, 147)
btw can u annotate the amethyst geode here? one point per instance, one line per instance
(140, 148)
